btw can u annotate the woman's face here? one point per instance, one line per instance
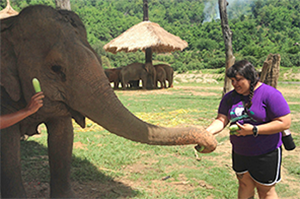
(241, 84)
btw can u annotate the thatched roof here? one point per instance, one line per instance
(146, 35)
(8, 11)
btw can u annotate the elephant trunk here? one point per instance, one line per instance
(102, 106)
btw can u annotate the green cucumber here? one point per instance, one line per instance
(234, 127)
(199, 148)
(233, 133)
(36, 85)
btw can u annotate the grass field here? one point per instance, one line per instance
(107, 166)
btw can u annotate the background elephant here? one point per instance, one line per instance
(52, 46)
(114, 75)
(169, 73)
(160, 76)
(138, 71)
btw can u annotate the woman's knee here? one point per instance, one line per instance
(267, 192)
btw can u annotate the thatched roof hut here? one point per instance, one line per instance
(146, 35)
(8, 11)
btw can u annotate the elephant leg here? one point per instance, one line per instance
(124, 84)
(144, 82)
(11, 178)
(171, 82)
(60, 145)
(116, 84)
(164, 83)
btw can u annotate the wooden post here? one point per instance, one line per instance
(270, 70)
(227, 36)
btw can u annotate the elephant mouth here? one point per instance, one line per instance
(78, 117)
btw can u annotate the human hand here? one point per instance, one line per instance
(35, 103)
(245, 129)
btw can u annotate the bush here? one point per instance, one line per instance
(260, 62)
(285, 61)
(294, 50)
(205, 44)
(195, 65)
(290, 60)
(295, 59)
(216, 63)
(105, 62)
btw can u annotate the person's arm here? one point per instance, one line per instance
(218, 124)
(277, 125)
(33, 106)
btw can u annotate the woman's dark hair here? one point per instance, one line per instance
(247, 70)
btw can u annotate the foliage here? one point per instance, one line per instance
(259, 27)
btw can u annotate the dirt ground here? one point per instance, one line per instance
(123, 187)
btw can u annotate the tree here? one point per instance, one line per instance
(227, 35)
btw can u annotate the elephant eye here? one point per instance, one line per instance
(58, 70)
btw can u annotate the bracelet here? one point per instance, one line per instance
(255, 131)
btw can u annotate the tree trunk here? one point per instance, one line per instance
(63, 4)
(270, 71)
(227, 35)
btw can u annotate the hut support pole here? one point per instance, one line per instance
(148, 55)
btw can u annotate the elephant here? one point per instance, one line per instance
(51, 45)
(138, 71)
(160, 76)
(169, 73)
(114, 75)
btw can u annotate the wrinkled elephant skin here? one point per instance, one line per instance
(52, 46)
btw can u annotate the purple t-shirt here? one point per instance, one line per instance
(267, 104)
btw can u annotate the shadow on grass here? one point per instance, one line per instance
(87, 180)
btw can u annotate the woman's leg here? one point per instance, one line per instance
(246, 186)
(266, 192)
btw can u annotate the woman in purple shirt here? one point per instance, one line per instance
(261, 113)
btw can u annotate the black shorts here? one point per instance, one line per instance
(264, 169)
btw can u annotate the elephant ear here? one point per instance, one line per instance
(9, 73)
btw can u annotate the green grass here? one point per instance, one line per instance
(102, 157)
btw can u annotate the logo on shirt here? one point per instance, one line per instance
(239, 113)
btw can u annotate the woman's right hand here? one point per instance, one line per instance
(35, 103)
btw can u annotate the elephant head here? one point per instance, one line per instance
(52, 46)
